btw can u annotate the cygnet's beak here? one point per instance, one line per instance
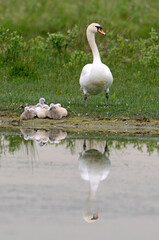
(101, 31)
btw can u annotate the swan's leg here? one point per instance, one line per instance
(107, 97)
(85, 100)
(84, 145)
(85, 97)
(106, 147)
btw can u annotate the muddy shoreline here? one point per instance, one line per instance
(85, 124)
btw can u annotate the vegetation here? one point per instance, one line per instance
(43, 48)
(14, 141)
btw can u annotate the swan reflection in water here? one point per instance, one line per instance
(94, 166)
(42, 137)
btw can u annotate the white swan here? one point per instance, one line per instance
(29, 113)
(94, 167)
(95, 77)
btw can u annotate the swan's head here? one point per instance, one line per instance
(91, 219)
(94, 28)
(42, 100)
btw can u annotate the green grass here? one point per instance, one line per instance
(38, 17)
(35, 64)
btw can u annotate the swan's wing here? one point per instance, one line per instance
(84, 74)
(108, 72)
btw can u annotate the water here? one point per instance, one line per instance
(59, 185)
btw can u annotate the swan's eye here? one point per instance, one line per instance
(99, 27)
(100, 30)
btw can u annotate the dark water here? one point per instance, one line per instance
(59, 185)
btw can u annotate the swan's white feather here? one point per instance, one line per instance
(95, 77)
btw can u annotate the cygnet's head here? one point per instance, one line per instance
(41, 143)
(94, 28)
(42, 101)
(27, 109)
(57, 105)
(52, 106)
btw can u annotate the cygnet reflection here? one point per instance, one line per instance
(94, 166)
(28, 133)
(42, 137)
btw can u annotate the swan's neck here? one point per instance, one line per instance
(93, 46)
(87, 211)
(93, 189)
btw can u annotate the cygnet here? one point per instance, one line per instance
(54, 112)
(43, 102)
(41, 110)
(29, 113)
(62, 110)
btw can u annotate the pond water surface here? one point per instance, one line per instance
(59, 185)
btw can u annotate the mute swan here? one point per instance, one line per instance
(94, 167)
(54, 112)
(41, 137)
(43, 103)
(56, 135)
(56, 105)
(29, 113)
(28, 133)
(41, 110)
(63, 111)
(95, 77)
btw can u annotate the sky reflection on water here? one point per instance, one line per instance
(53, 180)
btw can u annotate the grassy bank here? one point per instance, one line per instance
(45, 48)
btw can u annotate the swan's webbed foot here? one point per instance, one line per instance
(85, 100)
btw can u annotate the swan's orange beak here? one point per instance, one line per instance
(95, 216)
(101, 31)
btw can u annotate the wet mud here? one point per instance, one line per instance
(85, 124)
